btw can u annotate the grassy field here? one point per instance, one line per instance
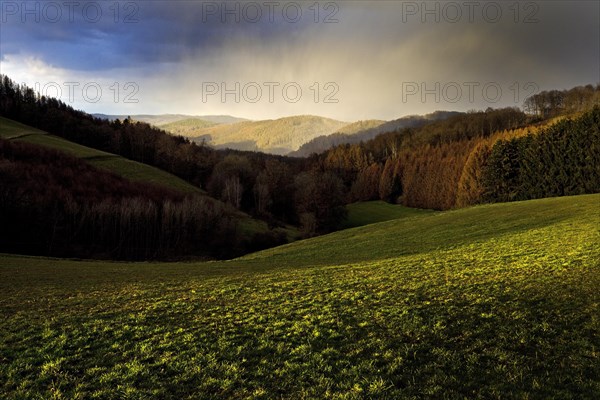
(135, 171)
(498, 301)
(360, 214)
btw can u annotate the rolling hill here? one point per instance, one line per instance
(493, 301)
(187, 127)
(297, 136)
(279, 136)
(370, 212)
(359, 126)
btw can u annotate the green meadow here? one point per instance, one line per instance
(496, 301)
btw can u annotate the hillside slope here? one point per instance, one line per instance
(367, 131)
(187, 127)
(495, 301)
(129, 169)
(279, 136)
(439, 230)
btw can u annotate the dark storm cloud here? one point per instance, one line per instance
(126, 32)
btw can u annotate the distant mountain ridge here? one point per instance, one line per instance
(296, 136)
(360, 126)
(163, 119)
(280, 136)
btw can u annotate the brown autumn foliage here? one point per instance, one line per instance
(366, 185)
(470, 187)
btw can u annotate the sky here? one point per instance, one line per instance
(348, 60)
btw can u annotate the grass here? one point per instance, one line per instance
(10, 129)
(129, 169)
(370, 212)
(58, 143)
(498, 301)
(136, 171)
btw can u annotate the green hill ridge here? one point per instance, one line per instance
(129, 169)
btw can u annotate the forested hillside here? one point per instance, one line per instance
(187, 127)
(280, 136)
(363, 131)
(561, 160)
(492, 155)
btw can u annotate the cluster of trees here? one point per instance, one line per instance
(424, 176)
(54, 204)
(561, 160)
(550, 103)
(280, 190)
(418, 167)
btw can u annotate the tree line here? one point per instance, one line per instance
(551, 103)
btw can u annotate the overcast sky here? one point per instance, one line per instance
(346, 60)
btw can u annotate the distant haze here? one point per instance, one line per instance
(163, 119)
